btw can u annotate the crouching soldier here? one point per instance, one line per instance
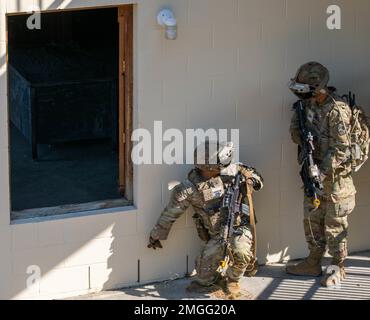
(221, 263)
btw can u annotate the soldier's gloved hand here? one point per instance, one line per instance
(248, 174)
(154, 244)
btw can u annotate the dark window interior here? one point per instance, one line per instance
(63, 106)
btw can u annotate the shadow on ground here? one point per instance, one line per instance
(271, 283)
(274, 284)
(167, 290)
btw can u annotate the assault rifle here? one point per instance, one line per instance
(351, 100)
(230, 208)
(310, 172)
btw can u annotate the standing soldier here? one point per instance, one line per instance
(330, 120)
(204, 190)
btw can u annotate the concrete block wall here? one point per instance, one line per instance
(228, 68)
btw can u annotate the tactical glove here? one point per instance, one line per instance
(247, 173)
(154, 244)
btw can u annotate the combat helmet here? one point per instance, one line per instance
(311, 78)
(213, 155)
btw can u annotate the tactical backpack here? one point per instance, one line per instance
(359, 134)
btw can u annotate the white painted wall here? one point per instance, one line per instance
(228, 69)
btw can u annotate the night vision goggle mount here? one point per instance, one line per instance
(300, 88)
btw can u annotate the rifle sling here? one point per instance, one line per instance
(252, 219)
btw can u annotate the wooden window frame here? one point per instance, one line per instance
(125, 20)
(125, 122)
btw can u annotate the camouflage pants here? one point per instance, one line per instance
(208, 261)
(328, 226)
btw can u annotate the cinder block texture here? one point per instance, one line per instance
(229, 68)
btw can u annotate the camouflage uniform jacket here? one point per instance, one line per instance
(192, 192)
(329, 123)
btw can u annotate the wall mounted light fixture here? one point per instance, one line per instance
(166, 19)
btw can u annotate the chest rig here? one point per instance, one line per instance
(207, 203)
(212, 192)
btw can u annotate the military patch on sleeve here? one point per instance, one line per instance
(183, 191)
(181, 196)
(341, 129)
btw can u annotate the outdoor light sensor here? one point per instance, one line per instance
(166, 18)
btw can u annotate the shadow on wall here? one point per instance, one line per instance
(65, 267)
(77, 254)
(134, 261)
(73, 247)
(56, 3)
(95, 252)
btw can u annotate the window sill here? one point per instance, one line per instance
(71, 211)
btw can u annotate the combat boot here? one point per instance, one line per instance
(233, 290)
(311, 266)
(252, 269)
(335, 274)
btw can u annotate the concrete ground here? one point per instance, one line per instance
(271, 283)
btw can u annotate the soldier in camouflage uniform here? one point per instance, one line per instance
(203, 190)
(329, 120)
